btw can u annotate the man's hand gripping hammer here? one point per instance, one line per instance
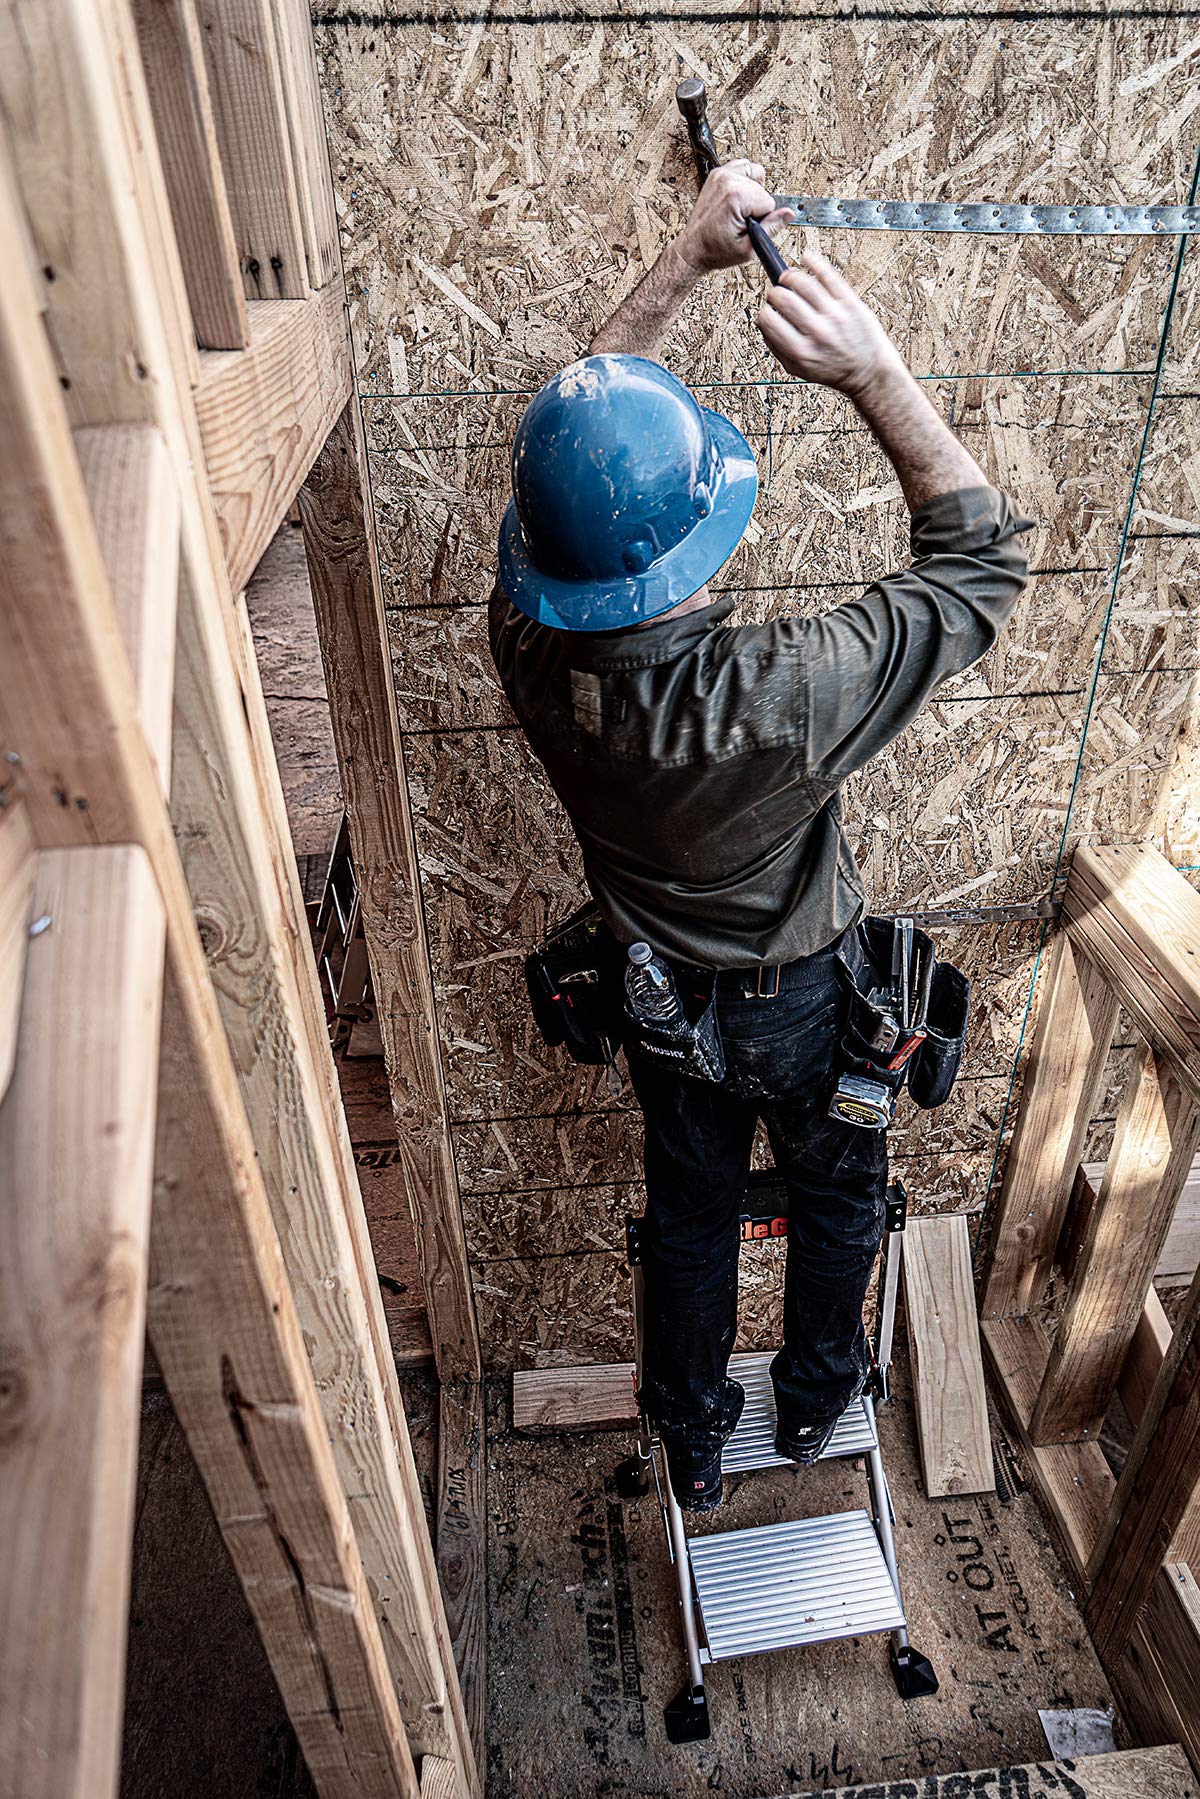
(691, 97)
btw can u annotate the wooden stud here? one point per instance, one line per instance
(943, 1341)
(1072, 1480)
(339, 540)
(264, 414)
(1066, 1066)
(177, 82)
(230, 1345)
(310, 153)
(250, 110)
(1151, 1340)
(134, 503)
(437, 1779)
(1157, 1131)
(76, 1141)
(601, 1396)
(1157, 1486)
(1156, 1679)
(461, 1538)
(16, 897)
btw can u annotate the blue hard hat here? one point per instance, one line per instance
(627, 496)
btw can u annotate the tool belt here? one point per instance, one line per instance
(576, 982)
(904, 1019)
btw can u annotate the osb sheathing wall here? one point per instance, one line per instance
(502, 184)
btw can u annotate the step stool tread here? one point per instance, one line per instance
(752, 1444)
(777, 1586)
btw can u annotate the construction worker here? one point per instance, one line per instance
(701, 765)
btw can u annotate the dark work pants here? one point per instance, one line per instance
(779, 1067)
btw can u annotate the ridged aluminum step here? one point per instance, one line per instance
(809, 1580)
(752, 1444)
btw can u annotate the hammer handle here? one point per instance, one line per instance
(763, 246)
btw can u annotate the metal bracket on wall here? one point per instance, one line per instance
(1000, 219)
(1014, 914)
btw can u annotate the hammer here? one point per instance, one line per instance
(691, 98)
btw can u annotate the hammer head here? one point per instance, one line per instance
(691, 97)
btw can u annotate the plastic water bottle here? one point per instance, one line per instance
(650, 988)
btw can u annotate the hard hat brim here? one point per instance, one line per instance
(608, 605)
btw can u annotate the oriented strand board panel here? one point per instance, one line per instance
(501, 186)
(1127, 1774)
(943, 1344)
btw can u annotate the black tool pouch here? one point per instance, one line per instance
(936, 1063)
(693, 1046)
(575, 982)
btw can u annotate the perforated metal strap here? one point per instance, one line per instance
(1000, 220)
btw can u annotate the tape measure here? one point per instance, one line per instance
(868, 1104)
(1001, 220)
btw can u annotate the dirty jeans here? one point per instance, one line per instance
(780, 1062)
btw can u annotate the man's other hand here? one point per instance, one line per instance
(814, 323)
(715, 237)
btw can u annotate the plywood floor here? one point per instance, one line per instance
(584, 1648)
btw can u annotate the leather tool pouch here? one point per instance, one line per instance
(693, 1048)
(575, 987)
(936, 1063)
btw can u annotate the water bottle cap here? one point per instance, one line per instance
(640, 954)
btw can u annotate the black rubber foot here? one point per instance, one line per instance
(687, 1715)
(912, 1672)
(633, 1478)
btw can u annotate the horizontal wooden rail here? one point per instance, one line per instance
(265, 412)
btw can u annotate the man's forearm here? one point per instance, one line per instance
(927, 457)
(641, 322)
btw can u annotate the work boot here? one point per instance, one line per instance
(807, 1443)
(694, 1460)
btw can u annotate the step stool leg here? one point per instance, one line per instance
(912, 1672)
(686, 1716)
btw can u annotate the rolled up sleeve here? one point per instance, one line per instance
(871, 664)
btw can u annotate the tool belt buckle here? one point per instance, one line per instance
(772, 971)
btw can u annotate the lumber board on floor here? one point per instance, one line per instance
(1158, 1127)
(947, 1364)
(76, 1147)
(134, 502)
(599, 1396)
(177, 81)
(339, 538)
(1072, 1480)
(264, 413)
(17, 863)
(461, 1539)
(250, 110)
(1066, 1067)
(1126, 1774)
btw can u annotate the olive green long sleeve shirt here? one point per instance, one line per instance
(700, 764)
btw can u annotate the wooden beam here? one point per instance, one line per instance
(266, 987)
(76, 1141)
(1158, 1485)
(177, 81)
(1072, 1480)
(947, 1366)
(306, 127)
(437, 1779)
(461, 1538)
(1151, 1340)
(1156, 1678)
(69, 708)
(1158, 1127)
(134, 502)
(1135, 967)
(339, 540)
(599, 1396)
(256, 147)
(16, 897)
(1066, 1066)
(231, 1348)
(264, 414)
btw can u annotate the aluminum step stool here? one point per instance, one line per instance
(810, 1580)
